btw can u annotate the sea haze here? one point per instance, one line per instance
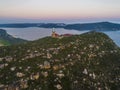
(34, 33)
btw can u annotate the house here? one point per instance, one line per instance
(55, 35)
(66, 35)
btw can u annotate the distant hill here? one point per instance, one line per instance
(90, 61)
(6, 39)
(99, 26)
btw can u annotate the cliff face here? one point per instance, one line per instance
(6, 39)
(82, 62)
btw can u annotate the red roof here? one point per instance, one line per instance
(67, 35)
(56, 34)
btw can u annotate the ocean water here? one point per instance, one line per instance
(35, 33)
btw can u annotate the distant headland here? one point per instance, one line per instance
(98, 26)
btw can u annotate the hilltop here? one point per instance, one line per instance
(98, 26)
(80, 62)
(6, 39)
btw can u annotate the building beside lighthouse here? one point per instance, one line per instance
(56, 35)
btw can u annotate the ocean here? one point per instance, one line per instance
(34, 33)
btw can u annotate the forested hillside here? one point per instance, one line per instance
(90, 61)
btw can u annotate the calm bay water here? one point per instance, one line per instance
(36, 33)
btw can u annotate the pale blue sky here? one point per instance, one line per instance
(59, 11)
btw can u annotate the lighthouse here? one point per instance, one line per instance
(54, 34)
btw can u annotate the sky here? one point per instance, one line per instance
(61, 11)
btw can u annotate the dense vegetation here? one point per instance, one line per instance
(81, 62)
(4, 43)
(6, 39)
